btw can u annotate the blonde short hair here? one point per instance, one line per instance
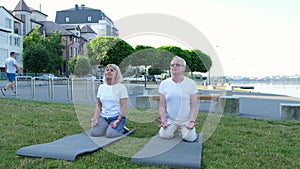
(118, 76)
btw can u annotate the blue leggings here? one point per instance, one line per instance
(104, 128)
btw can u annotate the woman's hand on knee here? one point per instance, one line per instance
(94, 122)
(115, 123)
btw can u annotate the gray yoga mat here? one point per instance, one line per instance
(170, 152)
(69, 147)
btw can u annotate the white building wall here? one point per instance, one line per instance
(38, 16)
(9, 41)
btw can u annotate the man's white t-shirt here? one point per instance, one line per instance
(110, 97)
(178, 97)
(10, 65)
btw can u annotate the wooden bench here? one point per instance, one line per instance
(221, 104)
(199, 97)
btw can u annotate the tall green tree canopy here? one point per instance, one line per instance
(42, 55)
(35, 54)
(195, 59)
(80, 65)
(142, 56)
(168, 52)
(107, 49)
(55, 49)
(201, 61)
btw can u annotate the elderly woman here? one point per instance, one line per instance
(109, 117)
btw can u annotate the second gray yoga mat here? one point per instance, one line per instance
(170, 152)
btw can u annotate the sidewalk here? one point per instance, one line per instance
(253, 105)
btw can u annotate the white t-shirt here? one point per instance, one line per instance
(10, 65)
(110, 97)
(178, 97)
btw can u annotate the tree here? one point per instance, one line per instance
(168, 52)
(195, 59)
(154, 71)
(35, 55)
(107, 49)
(142, 56)
(80, 65)
(201, 61)
(55, 49)
(43, 55)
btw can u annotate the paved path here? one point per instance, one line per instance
(256, 105)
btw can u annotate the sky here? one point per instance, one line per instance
(244, 37)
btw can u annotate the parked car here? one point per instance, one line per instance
(90, 77)
(135, 78)
(47, 76)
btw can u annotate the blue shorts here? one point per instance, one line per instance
(11, 77)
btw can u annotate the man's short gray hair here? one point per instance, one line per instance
(179, 58)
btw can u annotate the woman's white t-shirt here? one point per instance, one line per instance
(178, 97)
(110, 96)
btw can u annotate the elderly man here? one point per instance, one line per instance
(178, 103)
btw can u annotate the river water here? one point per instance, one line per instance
(278, 87)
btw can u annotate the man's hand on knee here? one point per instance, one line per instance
(191, 125)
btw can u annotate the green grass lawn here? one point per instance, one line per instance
(237, 142)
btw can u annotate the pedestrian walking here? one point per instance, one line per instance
(11, 68)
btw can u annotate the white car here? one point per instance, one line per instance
(90, 77)
(135, 78)
(47, 77)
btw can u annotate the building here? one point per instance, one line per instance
(29, 16)
(71, 39)
(82, 16)
(78, 26)
(13, 26)
(11, 37)
(88, 33)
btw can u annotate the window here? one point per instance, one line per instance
(7, 23)
(89, 18)
(10, 40)
(17, 41)
(70, 52)
(4, 38)
(67, 19)
(17, 28)
(3, 54)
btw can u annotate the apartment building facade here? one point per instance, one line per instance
(81, 15)
(11, 37)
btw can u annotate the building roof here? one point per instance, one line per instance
(34, 10)
(11, 14)
(79, 14)
(50, 26)
(87, 29)
(21, 6)
(70, 27)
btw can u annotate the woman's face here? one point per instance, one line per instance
(110, 73)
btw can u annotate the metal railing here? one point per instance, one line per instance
(25, 78)
(52, 87)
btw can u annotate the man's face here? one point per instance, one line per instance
(177, 67)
